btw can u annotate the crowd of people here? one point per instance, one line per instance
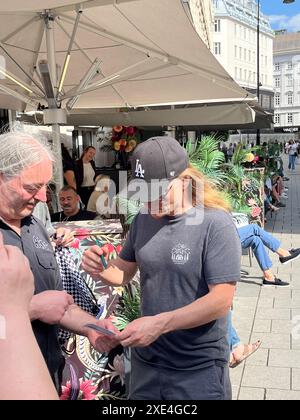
(185, 245)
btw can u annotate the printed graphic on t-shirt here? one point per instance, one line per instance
(39, 243)
(180, 254)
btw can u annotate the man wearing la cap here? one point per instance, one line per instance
(188, 252)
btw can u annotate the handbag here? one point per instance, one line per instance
(74, 285)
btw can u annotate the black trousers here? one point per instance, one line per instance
(85, 194)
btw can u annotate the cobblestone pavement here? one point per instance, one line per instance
(272, 315)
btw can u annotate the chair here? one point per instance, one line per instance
(241, 220)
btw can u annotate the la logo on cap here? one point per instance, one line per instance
(139, 171)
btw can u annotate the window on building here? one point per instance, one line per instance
(290, 98)
(240, 74)
(245, 75)
(217, 25)
(249, 56)
(245, 54)
(277, 82)
(290, 66)
(277, 100)
(216, 3)
(217, 48)
(289, 81)
(240, 53)
(290, 118)
(277, 66)
(235, 72)
(235, 51)
(277, 118)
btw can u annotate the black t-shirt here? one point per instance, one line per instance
(34, 243)
(81, 215)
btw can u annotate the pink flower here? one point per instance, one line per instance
(130, 131)
(118, 368)
(82, 233)
(256, 211)
(85, 392)
(119, 249)
(75, 244)
(110, 248)
(252, 202)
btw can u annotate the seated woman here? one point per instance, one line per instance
(95, 204)
(255, 237)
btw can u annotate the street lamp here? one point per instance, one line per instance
(258, 65)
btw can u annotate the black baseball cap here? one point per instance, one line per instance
(155, 163)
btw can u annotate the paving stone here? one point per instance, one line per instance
(268, 292)
(296, 379)
(282, 327)
(235, 392)
(251, 394)
(287, 303)
(269, 377)
(272, 341)
(259, 358)
(236, 375)
(263, 326)
(265, 313)
(284, 358)
(282, 395)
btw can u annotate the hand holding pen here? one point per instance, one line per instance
(94, 260)
(102, 258)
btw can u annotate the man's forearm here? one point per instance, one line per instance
(33, 309)
(211, 307)
(75, 319)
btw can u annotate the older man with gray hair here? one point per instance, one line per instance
(25, 170)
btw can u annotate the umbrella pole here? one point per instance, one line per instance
(58, 171)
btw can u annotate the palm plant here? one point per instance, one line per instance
(129, 307)
(208, 159)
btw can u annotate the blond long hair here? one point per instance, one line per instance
(204, 192)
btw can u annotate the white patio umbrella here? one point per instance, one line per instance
(107, 54)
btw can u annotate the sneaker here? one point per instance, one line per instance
(286, 178)
(284, 195)
(280, 205)
(295, 254)
(275, 283)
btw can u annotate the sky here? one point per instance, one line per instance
(282, 16)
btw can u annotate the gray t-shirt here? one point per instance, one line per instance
(177, 262)
(34, 243)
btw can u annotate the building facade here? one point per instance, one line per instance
(202, 18)
(287, 82)
(235, 46)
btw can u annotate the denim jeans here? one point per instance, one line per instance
(233, 338)
(292, 161)
(255, 237)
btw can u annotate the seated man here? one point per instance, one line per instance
(255, 237)
(69, 201)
